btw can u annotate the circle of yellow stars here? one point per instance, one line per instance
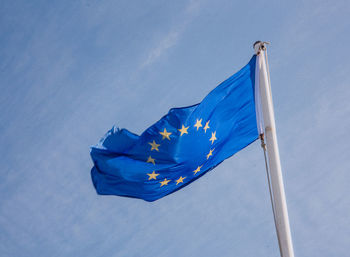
(167, 136)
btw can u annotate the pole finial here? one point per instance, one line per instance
(260, 46)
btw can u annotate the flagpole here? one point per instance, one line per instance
(278, 197)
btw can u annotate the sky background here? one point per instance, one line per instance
(70, 70)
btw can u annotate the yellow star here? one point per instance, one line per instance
(150, 159)
(152, 175)
(183, 130)
(210, 153)
(206, 126)
(165, 134)
(213, 137)
(198, 124)
(180, 180)
(164, 182)
(154, 146)
(197, 170)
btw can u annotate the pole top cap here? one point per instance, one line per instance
(260, 46)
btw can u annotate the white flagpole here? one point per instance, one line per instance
(278, 197)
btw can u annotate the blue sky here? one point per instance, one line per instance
(70, 70)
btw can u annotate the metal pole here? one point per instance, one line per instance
(277, 188)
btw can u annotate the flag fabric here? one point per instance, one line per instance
(182, 146)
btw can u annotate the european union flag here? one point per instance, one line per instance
(182, 146)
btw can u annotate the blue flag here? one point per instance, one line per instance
(182, 146)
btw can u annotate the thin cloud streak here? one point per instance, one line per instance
(173, 36)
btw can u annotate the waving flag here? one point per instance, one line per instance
(182, 146)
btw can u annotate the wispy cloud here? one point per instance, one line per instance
(168, 41)
(173, 36)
